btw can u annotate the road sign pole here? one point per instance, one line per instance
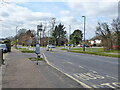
(37, 59)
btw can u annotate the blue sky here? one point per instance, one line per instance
(46, 7)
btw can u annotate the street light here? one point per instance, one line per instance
(84, 32)
(16, 36)
(69, 36)
(39, 29)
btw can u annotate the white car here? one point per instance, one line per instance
(4, 47)
(50, 46)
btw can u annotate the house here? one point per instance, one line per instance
(95, 40)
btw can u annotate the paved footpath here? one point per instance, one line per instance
(22, 73)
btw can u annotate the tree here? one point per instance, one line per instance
(76, 37)
(104, 31)
(58, 34)
(116, 29)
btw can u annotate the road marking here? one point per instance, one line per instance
(81, 66)
(110, 85)
(111, 77)
(93, 71)
(78, 81)
(69, 62)
(88, 76)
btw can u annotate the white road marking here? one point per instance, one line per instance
(69, 62)
(111, 77)
(81, 66)
(93, 71)
(111, 85)
(88, 76)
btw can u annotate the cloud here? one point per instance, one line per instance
(13, 15)
(95, 9)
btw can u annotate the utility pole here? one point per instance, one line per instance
(84, 32)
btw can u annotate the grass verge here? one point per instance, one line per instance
(95, 53)
(24, 50)
(64, 49)
(35, 59)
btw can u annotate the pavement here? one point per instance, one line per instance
(23, 73)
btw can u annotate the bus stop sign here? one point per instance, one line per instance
(37, 49)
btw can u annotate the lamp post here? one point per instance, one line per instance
(84, 32)
(69, 36)
(39, 29)
(16, 36)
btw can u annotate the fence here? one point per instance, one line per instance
(1, 57)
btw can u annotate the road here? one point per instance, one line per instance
(95, 71)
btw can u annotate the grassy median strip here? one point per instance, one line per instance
(24, 50)
(64, 49)
(35, 59)
(95, 53)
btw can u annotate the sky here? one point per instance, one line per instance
(30, 13)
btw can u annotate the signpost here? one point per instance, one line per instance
(1, 57)
(37, 51)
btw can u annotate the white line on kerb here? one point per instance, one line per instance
(83, 84)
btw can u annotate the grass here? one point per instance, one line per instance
(112, 51)
(24, 50)
(89, 49)
(28, 51)
(64, 49)
(96, 53)
(35, 59)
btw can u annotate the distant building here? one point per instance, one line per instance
(96, 40)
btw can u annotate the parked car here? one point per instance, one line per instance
(87, 46)
(50, 46)
(72, 45)
(80, 45)
(4, 47)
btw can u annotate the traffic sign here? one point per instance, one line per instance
(25, 40)
(37, 49)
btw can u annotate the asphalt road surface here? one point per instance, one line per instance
(95, 71)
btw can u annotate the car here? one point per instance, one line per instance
(80, 45)
(87, 46)
(4, 47)
(72, 45)
(50, 46)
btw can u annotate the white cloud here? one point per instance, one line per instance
(95, 9)
(13, 15)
